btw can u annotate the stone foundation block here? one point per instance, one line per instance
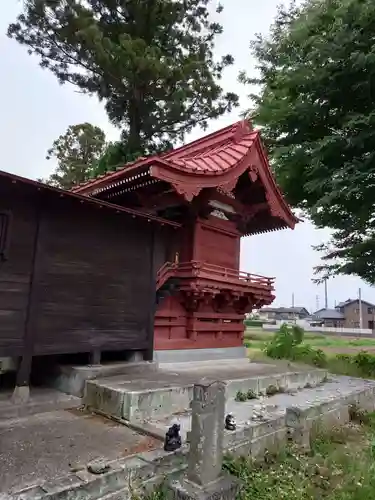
(273, 442)
(224, 488)
(144, 405)
(71, 379)
(267, 427)
(107, 399)
(302, 423)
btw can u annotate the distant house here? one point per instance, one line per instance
(332, 318)
(350, 310)
(346, 314)
(283, 313)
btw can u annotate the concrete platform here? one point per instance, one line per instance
(284, 415)
(48, 447)
(198, 355)
(42, 399)
(144, 396)
(71, 379)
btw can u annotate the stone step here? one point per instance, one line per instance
(123, 494)
(186, 366)
(42, 400)
(139, 400)
(71, 379)
(126, 479)
(268, 423)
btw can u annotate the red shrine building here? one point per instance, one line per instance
(216, 189)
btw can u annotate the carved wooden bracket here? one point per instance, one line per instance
(187, 191)
(229, 186)
(253, 173)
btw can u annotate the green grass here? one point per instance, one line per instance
(340, 466)
(256, 338)
(331, 353)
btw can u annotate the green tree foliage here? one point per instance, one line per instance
(77, 153)
(116, 154)
(151, 62)
(316, 107)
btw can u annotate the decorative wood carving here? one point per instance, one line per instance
(253, 173)
(187, 191)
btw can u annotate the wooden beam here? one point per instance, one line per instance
(149, 354)
(95, 357)
(22, 391)
(161, 201)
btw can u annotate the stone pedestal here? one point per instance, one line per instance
(21, 395)
(224, 488)
(204, 479)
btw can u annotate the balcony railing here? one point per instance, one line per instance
(210, 271)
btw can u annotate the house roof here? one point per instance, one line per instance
(352, 301)
(291, 310)
(216, 160)
(62, 193)
(328, 314)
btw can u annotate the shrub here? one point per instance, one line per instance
(287, 344)
(309, 355)
(365, 362)
(284, 341)
(251, 394)
(272, 390)
(253, 322)
(240, 396)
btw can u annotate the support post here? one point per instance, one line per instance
(149, 353)
(204, 479)
(22, 390)
(95, 356)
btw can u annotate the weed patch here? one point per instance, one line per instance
(245, 396)
(340, 466)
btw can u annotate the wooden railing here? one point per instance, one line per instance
(210, 271)
(165, 272)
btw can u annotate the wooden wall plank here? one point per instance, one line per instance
(15, 272)
(93, 282)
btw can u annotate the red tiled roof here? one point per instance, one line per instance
(213, 154)
(215, 160)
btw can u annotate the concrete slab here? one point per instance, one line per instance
(146, 395)
(196, 355)
(46, 446)
(71, 379)
(327, 403)
(42, 399)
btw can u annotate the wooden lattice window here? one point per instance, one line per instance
(4, 235)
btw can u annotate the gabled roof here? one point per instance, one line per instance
(328, 314)
(286, 310)
(216, 160)
(62, 193)
(352, 301)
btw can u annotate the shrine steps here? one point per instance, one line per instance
(71, 379)
(293, 415)
(149, 395)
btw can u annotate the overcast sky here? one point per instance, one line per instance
(35, 110)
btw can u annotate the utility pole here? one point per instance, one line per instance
(325, 294)
(317, 302)
(360, 307)
(293, 299)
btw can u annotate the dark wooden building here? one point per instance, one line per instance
(77, 275)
